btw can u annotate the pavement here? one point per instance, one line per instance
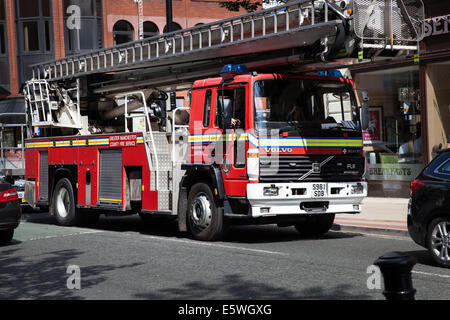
(378, 215)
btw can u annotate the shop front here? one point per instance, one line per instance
(409, 108)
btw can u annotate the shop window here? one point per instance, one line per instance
(175, 27)
(150, 29)
(393, 140)
(123, 32)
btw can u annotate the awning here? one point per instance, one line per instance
(12, 112)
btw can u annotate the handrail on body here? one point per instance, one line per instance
(147, 118)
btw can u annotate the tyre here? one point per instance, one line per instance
(438, 241)
(204, 220)
(63, 204)
(6, 235)
(316, 225)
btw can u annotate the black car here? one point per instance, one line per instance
(429, 209)
(10, 211)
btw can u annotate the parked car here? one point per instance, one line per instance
(10, 211)
(429, 209)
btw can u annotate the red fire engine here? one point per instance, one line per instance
(252, 147)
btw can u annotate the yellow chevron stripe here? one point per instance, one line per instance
(62, 143)
(78, 143)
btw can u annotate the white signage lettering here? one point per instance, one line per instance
(437, 25)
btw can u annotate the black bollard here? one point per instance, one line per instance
(396, 269)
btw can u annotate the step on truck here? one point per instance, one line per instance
(273, 136)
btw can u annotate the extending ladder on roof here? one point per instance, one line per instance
(382, 24)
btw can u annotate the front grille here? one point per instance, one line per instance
(291, 168)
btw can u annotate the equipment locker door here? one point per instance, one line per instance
(110, 178)
(43, 176)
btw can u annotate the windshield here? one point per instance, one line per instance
(307, 106)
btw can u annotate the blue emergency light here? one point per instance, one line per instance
(231, 70)
(331, 73)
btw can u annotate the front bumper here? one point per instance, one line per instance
(306, 198)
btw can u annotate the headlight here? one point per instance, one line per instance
(357, 188)
(253, 164)
(271, 191)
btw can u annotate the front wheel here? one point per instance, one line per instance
(205, 221)
(63, 204)
(438, 241)
(316, 225)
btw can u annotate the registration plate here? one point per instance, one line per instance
(20, 194)
(319, 190)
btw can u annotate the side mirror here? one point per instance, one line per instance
(365, 110)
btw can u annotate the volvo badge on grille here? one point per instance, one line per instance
(316, 167)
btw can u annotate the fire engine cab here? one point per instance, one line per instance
(269, 145)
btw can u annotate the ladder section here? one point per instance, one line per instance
(297, 24)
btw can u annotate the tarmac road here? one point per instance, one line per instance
(122, 258)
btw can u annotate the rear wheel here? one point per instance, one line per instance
(204, 219)
(63, 204)
(316, 225)
(438, 241)
(6, 235)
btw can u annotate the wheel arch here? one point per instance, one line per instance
(59, 172)
(196, 173)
